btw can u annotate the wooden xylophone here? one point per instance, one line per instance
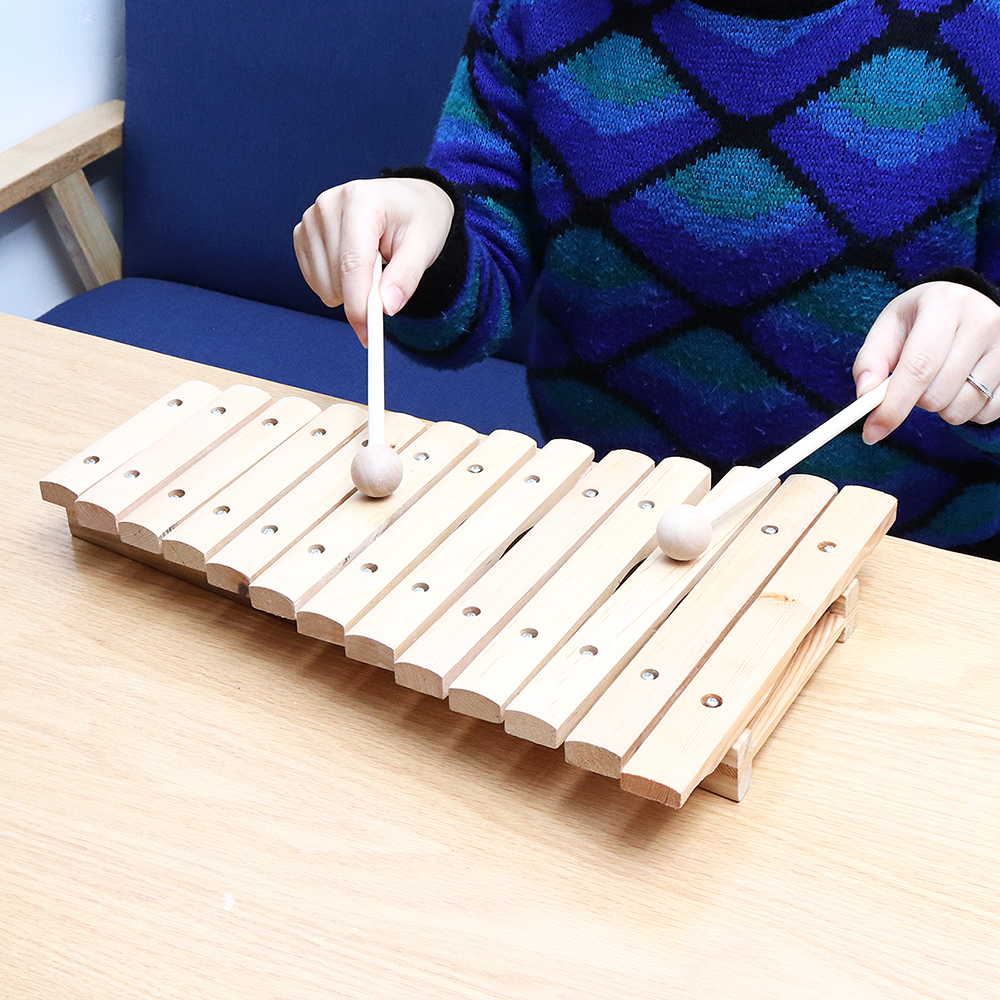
(520, 582)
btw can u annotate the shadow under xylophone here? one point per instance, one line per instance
(522, 583)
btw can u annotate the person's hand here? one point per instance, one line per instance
(932, 338)
(405, 219)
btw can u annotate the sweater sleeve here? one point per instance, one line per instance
(481, 152)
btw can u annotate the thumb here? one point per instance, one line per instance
(877, 358)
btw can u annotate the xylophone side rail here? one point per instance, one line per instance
(733, 775)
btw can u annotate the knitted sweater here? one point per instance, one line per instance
(712, 203)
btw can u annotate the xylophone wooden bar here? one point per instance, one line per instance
(580, 585)
(462, 557)
(321, 492)
(103, 506)
(579, 673)
(523, 584)
(442, 652)
(736, 680)
(92, 464)
(347, 592)
(732, 775)
(205, 531)
(152, 520)
(639, 697)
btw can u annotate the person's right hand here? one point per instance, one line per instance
(938, 339)
(405, 219)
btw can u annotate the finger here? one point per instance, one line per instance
(924, 353)
(413, 239)
(361, 231)
(979, 400)
(881, 349)
(313, 254)
(300, 243)
(410, 259)
(356, 277)
(978, 371)
(356, 265)
(968, 400)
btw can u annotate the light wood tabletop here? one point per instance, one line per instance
(196, 801)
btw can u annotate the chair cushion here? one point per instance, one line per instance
(298, 349)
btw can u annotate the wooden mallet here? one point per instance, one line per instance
(376, 470)
(685, 532)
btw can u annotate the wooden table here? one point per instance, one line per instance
(198, 802)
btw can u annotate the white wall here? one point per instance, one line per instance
(56, 57)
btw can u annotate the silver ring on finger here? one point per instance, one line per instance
(976, 384)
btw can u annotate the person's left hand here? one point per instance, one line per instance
(932, 338)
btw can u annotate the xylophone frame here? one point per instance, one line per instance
(729, 777)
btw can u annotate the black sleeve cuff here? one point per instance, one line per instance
(963, 276)
(442, 281)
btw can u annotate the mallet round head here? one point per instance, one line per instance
(684, 532)
(376, 470)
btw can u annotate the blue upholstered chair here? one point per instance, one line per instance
(238, 113)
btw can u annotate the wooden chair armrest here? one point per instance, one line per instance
(51, 164)
(37, 163)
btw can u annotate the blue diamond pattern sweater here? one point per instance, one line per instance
(712, 203)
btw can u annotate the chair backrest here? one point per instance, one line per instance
(240, 112)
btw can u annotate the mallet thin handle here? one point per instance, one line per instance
(376, 361)
(795, 453)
